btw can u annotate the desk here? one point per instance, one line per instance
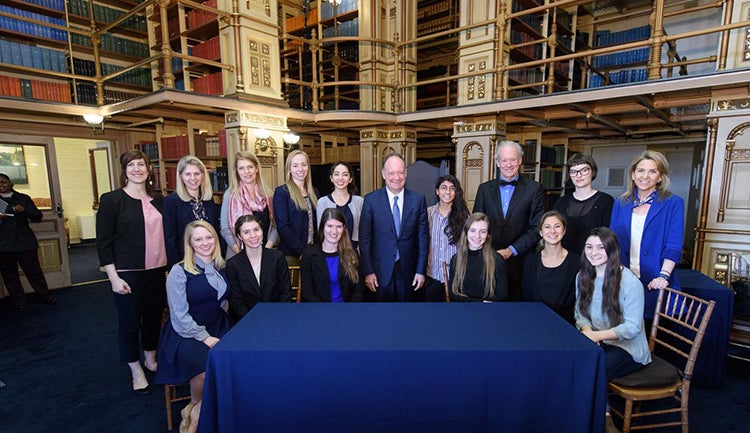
(710, 367)
(403, 367)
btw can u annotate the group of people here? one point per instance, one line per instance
(387, 246)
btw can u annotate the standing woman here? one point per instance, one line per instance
(192, 201)
(649, 223)
(197, 295)
(344, 199)
(446, 219)
(585, 208)
(609, 306)
(130, 243)
(247, 195)
(256, 274)
(477, 271)
(330, 268)
(549, 275)
(294, 204)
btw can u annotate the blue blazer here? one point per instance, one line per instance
(378, 241)
(662, 239)
(176, 214)
(291, 222)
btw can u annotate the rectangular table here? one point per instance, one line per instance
(404, 367)
(710, 367)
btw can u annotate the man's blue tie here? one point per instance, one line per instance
(396, 216)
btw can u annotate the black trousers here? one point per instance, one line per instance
(139, 313)
(29, 261)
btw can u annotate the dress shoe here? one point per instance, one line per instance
(150, 367)
(146, 390)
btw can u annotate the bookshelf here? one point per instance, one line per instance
(339, 60)
(527, 35)
(437, 58)
(620, 67)
(543, 159)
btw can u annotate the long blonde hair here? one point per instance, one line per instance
(462, 259)
(189, 262)
(234, 180)
(297, 197)
(205, 191)
(662, 165)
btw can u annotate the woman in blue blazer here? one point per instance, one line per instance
(649, 223)
(193, 200)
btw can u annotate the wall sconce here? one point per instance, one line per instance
(263, 140)
(95, 120)
(291, 139)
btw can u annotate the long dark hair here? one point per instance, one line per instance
(351, 187)
(612, 276)
(462, 258)
(347, 257)
(132, 155)
(247, 218)
(459, 210)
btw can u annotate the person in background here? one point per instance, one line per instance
(477, 271)
(394, 245)
(549, 275)
(649, 223)
(192, 201)
(584, 208)
(197, 295)
(256, 274)
(18, 245)
(446, 220)
(330, 268)
(513, 205)
(247, 195)
(343, 198)
(609, 306)
(294, 205)
(130, 244)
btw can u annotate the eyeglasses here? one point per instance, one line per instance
(583, 172)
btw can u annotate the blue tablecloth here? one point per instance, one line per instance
(710, 367)
(411, 367)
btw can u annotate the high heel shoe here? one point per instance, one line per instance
(151, 367)
(185, 412)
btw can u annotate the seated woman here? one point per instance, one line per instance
(609, 306)
(477, 272)
(329, 268)
(549, 275)
(255, 274)
(197, 296)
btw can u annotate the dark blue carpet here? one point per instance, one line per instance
(62, 375)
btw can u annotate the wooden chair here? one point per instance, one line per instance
(680, 322)
(739, 335)
(296, 278)
(446, 269)
(173, 395)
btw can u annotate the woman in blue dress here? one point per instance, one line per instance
(197, 295)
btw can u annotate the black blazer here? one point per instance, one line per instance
(519, 227)
(120, 230)
(15, 233)
(316, 284)
(245, 291)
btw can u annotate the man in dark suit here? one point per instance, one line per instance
(514, 205)
(393, 237)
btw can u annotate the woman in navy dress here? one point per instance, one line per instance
(197, 294)
(192, 200)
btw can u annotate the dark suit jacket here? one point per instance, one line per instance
(291, 222)
(316, 284)
(245, 291)
(519, 227)
(120, 230)
(176, 215)
(15, 233)
(378, 241)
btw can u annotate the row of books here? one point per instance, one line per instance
(214, 145)
(629, 57)
(604, 38)
(619, 77)
(106, 15)
(529, 153)
(348, 52)
(433, 9)
(552, 155)
(327, 9)
(171, 177)
(27, 28)
(58, 5)
(31, 56)
(436, 25)
(219, 178)
(86, 94)
(210, 84)
(128, 47)
(210, 49)
(550, 178)
(346, 28)
(198, 17)
(150, 148)
(173, 30)
(138, 77)
(175, 147)
(157, 177)
(298, 22)
(35, 89)
(528, 75)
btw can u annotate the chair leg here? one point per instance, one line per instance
(627, 416)
(168, 400)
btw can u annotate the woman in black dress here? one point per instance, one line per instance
(549, 275)
(197, 295)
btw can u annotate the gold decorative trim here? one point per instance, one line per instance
(733, 104)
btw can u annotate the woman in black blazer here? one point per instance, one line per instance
(130, 243)
(256, 274)
(329, 268)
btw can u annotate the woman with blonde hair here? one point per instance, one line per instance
(247, 195)
(192, 200)
(294, 206)
(197, 294)
(477, 271)
(649, 223)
